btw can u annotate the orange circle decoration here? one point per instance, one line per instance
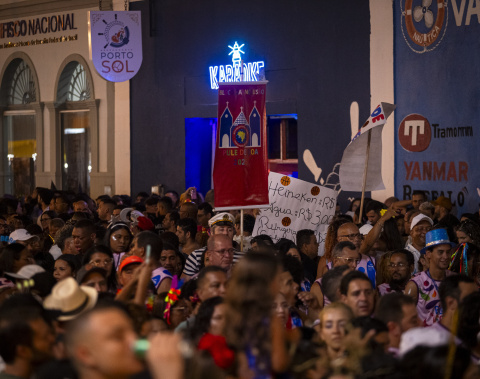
(419, 36)
(315, 190)
(285, 180)
(286, 221)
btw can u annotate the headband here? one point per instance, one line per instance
(172, 297)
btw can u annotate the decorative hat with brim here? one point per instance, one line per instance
(436, 237)
(222, 219)
(70, 299)
(26, 272)
(128, 215)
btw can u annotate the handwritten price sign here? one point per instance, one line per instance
(296, 205)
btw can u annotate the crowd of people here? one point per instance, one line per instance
(163, 287)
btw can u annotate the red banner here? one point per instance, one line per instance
(240, 173)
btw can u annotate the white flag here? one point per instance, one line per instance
(353, 160)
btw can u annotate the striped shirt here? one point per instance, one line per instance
(194, 261)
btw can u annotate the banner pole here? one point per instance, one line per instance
(452, 346)
(365, 176)
(241, 230)
(241, 70)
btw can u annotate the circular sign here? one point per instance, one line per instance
(315, 190)
(424, 24)
(240, 136)
(415, 133)
(286, 221)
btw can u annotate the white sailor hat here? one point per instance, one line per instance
(222, 219)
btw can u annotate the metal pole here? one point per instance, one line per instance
(241, 230)
(365, 176)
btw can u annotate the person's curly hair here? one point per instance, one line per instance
(383, 273)
(204, 318)
(249, 304)
(471, 229)
(331, 237)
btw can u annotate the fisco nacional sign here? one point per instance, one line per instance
(36, 26)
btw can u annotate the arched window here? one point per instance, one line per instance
(21, 87)
(74, 91)
(18, 148)
(74, 84)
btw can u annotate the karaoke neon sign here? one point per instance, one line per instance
(233, 72)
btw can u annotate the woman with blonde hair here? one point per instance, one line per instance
(335, 319)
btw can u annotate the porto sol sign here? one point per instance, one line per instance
(115, 43)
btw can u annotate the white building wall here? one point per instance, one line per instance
(382, 85)
(47, 58)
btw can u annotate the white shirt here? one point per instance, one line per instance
(416, 255)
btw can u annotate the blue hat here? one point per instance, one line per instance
(436, 237)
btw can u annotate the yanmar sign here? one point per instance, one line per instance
(116, 43)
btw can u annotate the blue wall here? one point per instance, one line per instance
(439, 84)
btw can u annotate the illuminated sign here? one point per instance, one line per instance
(234, 72)
(116, 44)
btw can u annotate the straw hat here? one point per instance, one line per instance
(71, 299)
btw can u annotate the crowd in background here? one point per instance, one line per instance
(164, 287)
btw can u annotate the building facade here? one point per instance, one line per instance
(328, 64)
(59, 118)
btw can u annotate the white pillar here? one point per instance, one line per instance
(122, 129)
(382, 85)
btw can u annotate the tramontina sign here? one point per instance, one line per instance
(116, 43)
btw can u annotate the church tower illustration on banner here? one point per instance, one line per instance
(225, 124)
(255, 127)
(240, 133)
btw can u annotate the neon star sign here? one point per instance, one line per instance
(236, 50)
(232, 72)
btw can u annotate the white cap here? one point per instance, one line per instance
(20, 235)
(418, 218)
